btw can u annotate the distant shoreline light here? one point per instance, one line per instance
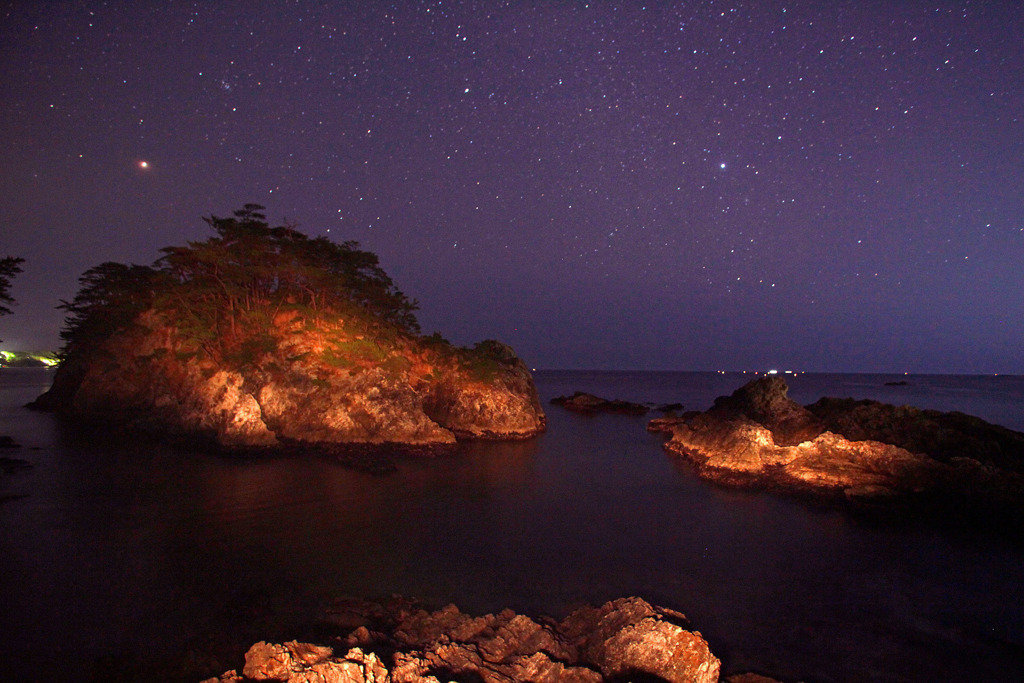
(20, 358)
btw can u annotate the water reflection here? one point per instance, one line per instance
(126, 546)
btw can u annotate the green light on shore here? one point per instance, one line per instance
(26, 359)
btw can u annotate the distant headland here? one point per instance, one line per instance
(28, 359)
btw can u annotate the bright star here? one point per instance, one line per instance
(722, 165)
(144, 165)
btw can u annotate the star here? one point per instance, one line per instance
(143, 165)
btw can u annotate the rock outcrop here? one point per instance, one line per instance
(944, 436)
(741, 451)
(860, 451)
(627, 639)
(332, 382)
(582, 402)
(766, 402)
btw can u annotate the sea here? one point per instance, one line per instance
(122, 557)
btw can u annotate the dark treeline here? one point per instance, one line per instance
(9, 267)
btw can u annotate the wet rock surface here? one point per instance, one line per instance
(861, 452)
(627, 639)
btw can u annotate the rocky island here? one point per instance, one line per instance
(261, 336)
(862, 452)
(581, 402)
(589, 404)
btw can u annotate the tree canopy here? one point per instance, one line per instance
(9, 267)
(230, 285)
(110, 298)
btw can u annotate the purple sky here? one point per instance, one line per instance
(831, 186)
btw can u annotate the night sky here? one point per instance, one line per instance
(821, 186)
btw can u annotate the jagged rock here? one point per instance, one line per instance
(658, 648)
(665, 424)
(445, 661)
(588, 403)
(295, 662)
(370, 407)
(265, 661)
(494, 647)
(619, 640)
(629, 637)
(478, 410)
(765, 401)
(742, 451)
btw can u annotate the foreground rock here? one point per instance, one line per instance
(861, 451)
(621, 640)
(581, 402)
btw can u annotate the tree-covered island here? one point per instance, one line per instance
(262, 335)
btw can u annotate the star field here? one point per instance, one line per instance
(809, 185)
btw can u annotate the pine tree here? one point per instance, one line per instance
(224, 292)
(9, 267)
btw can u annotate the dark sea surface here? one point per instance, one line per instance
(119, 553)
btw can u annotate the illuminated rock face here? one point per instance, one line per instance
(944, 436)
(621, 640)
(739, 451)
(759, 437)
(301, 389)
(765, 401)
(505, 408)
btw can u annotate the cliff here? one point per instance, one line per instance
(326, 380)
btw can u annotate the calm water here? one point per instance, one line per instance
(122, 552)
